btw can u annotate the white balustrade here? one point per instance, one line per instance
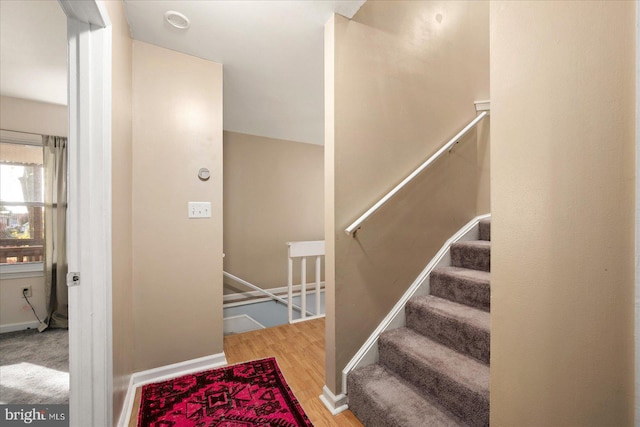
(303, 250)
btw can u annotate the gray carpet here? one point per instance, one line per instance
(435, 371)
(34, 367)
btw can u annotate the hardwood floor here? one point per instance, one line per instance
(299, 350)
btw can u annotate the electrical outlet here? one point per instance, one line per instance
(27, 291)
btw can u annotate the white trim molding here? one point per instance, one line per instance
(13, 327)
(335, 404)
(164, 373)
(368, 353)
(174, 370)
(89, 213)
(93, 12)
(482, 106)
(21, 270)
(127, 407)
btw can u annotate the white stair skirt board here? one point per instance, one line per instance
(335, 404)
(368, 353)
(163, 373)
(240, 324)
(12, 327)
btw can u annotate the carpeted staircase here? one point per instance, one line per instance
(435, 370)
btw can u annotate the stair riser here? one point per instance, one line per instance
(369, 404)
(471, 257)
(454, 334)
(485, 230)
(461, 290)
(471, 407)
(364, 406)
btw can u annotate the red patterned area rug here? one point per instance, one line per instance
(245, 395)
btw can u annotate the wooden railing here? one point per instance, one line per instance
(23, 250)
(302, 250)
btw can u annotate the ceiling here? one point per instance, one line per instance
(271, 51)
(33, 50)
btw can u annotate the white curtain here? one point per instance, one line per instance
(55, 229)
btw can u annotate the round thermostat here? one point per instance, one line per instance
(204, 174)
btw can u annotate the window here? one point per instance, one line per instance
(21, 202)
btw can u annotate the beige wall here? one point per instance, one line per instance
(177, 273)
(405, 76)
(30, 116)
(273, 194)
(121, 150)
(13, 308)
(37, 117)
(562, 153)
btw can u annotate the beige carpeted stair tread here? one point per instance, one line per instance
(462, 285)
(381, 399)
(463, 313)
(481, 277)
(474, 243)
(459, 383)
(460, 327)
(459, 368)
(475, 255)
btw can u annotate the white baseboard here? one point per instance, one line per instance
(177, 369)
(127, 407)
(368, 353)
(12, 327)
(335, 404)
(163, 373)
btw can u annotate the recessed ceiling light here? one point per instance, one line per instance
(177, 19)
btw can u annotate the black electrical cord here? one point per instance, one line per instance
(24, 295)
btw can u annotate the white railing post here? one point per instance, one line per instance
(317, 285)
(303, 287)
(290, 286)
(303, 250)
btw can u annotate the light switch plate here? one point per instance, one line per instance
(199, 209)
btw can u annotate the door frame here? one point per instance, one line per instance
(637, 230)
(637, 245)
(89, 213)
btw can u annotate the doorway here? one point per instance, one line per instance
(34, 119)
(89, 212)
